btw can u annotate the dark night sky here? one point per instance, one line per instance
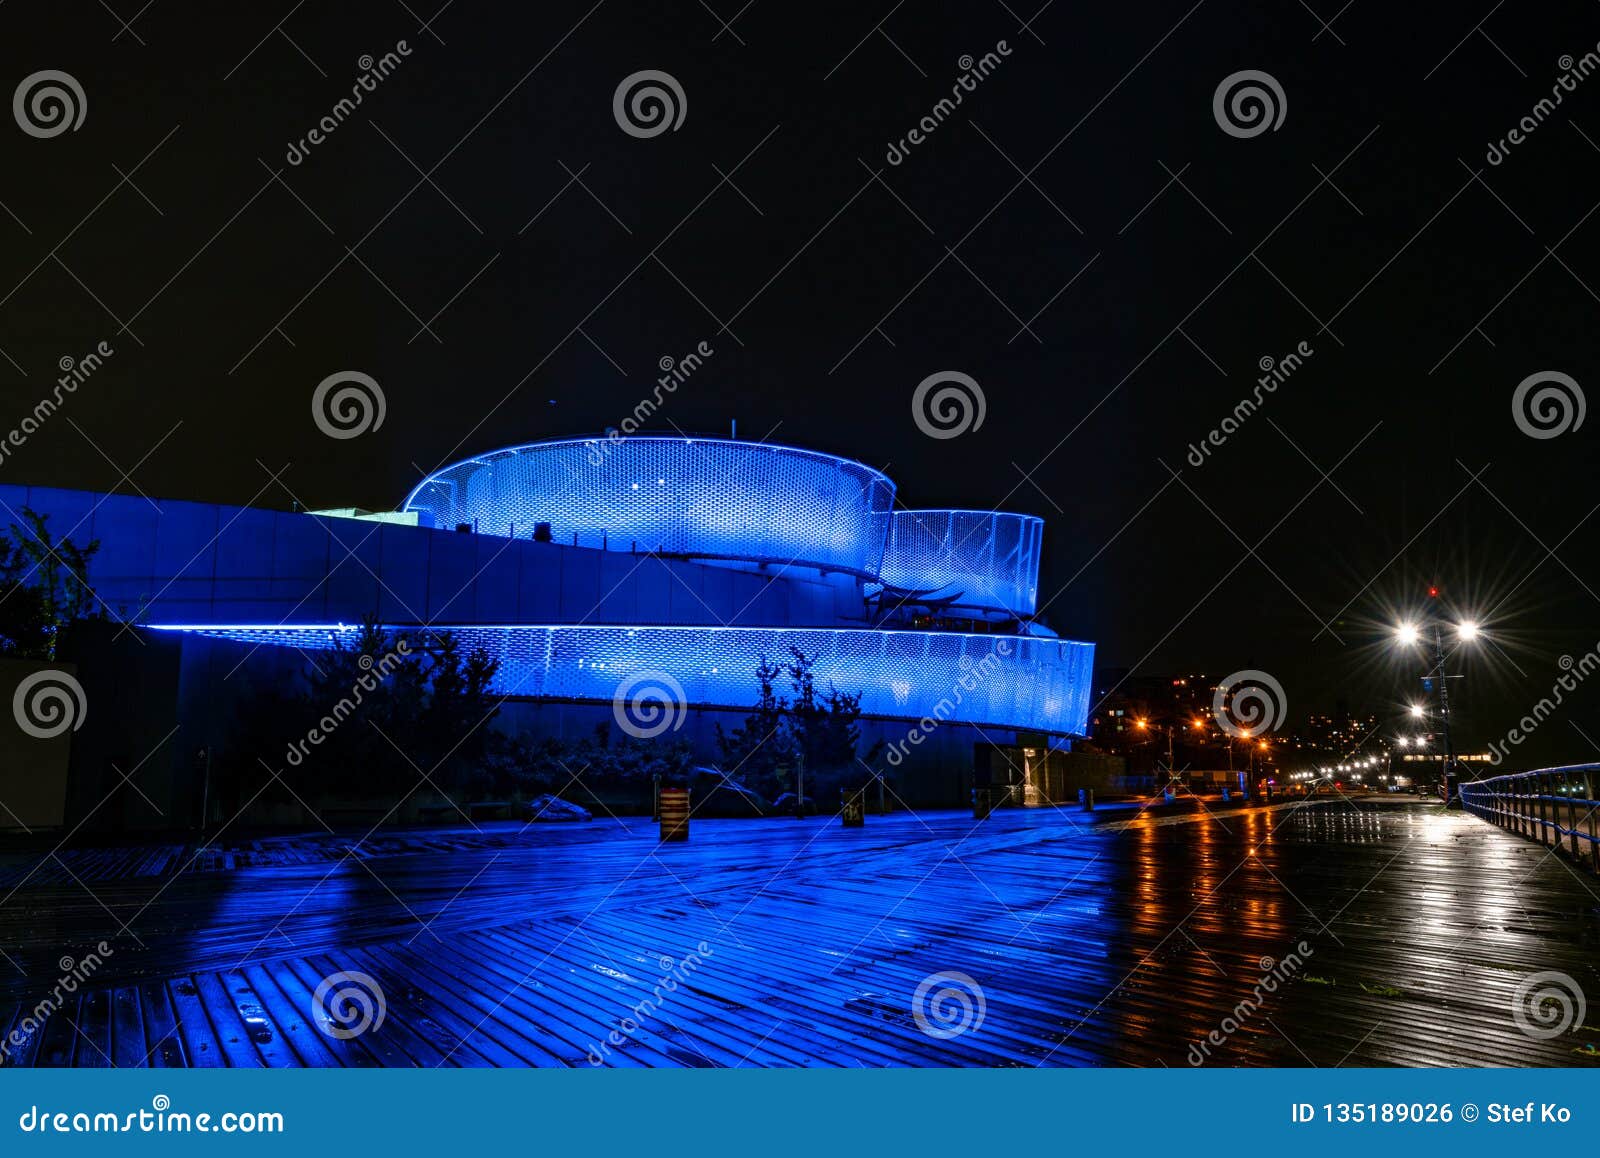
(564, 319)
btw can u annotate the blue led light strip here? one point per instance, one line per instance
(997, 681)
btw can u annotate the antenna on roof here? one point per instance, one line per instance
(735, 433)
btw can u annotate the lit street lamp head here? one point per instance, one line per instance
(1407, 634)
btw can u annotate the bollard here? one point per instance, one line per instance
(674, 814)
(852, 812)
(1167, 794)
(1086, 798)
(982, 803)
(1225, 796)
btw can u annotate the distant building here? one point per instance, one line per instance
(1338, 734)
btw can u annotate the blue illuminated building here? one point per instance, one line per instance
(582, 565)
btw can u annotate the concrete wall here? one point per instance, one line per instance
(33, 769)
(170, 562)
(216, 674)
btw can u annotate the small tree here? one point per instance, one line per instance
(760, 747)
(817, 730)
(825, 727)
(44, 585)
(379, 711)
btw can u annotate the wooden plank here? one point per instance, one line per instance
(1118, 939)
(200, 1045)
(127, 1029)
(300, 999)
(434, 1013)
(59, 1035)
(394, 1043)
(231, 1036)
(292, 1023)
(163, 1041)
(16, 1020)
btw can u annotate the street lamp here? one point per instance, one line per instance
(1144, 726)
(1409, 634)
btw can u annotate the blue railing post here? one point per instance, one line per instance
(1572, 816)
(1530, 804)
(1592, 818)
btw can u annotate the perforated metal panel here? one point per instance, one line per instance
(989, 557)
(993, 680)
(703, 497)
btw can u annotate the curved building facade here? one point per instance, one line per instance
(985, 560)
(691, 497)
(588, 566)
(995, 681)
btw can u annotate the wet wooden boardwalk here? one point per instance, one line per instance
(1034, 938)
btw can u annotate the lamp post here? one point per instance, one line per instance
(1144, 726)
(1430, 636)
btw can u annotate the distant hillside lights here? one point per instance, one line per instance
(372, 71)
(675, 372)
(75, 372)
(1276, 373)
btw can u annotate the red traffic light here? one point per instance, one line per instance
(1433, 592)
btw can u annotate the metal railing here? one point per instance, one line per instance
(1554, 806)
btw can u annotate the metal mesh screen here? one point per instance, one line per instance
(992, 558)
(705, 497)
(993, 680)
